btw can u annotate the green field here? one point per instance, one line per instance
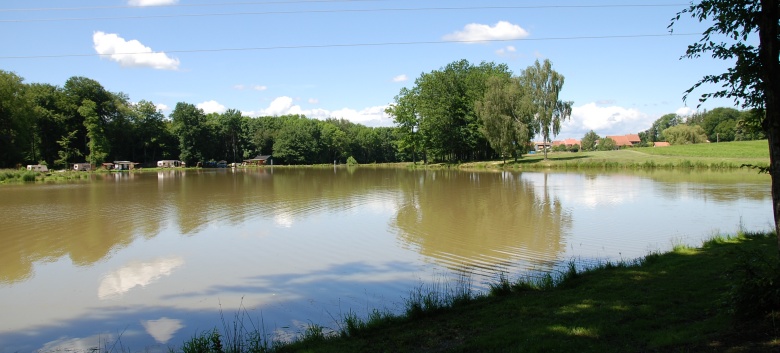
(726, 155)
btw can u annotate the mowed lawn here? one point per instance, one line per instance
(728, 154)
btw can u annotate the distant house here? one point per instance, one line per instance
(661, 144)
(37, 168)
(170, 163)
(567, 142)
(124, 165)
(82, 167)
(629, 140)
(541, 146)
(258, 160)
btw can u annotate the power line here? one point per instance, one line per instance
(321, 46)
(178, 5)
(340, 11)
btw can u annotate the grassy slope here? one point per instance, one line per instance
(732, 154)
(673, 302)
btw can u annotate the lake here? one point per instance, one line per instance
(150, 259)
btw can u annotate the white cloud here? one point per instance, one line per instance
(162, 107)
(685, 111)
(475, 32)
(604, 120)
(131, 53)
(371, 116)
(313, 101)
(211, 106)
(241, 87)
(508, 52)
(400, 78)
(151, 2)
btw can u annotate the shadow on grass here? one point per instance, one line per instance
(677, 301)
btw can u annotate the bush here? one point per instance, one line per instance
(351, 161)
(29, 176)
(756, 290)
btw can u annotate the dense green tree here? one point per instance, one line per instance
(754, 80)
(16, 118)
(654, 133)
(407, 122)
(606, 144)
(719, 123)
(543, 85)
(190, 125)
(152, 137)
(507, 120)
(589, 141)
(67, 151)
(97, 145)
(445, 101)
(334, 141)
(297, 140)
(685, 134)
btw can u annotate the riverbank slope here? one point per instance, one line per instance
(679, 301)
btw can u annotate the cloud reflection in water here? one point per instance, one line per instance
(135, 274)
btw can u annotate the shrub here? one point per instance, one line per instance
(351, 161)
(29, 176)
(756, 290)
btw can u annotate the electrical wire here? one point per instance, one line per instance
(321, 46)
(468, 8)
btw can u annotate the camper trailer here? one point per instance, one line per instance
(37, 168)
(82, 167)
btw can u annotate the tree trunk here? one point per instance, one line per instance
(768, 55)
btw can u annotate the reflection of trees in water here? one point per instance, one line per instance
(282, 194)
(717, 186)
(85, 222)
(481, 219)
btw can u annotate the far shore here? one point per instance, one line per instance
(711, 156)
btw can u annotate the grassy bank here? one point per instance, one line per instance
(722, 156)
(690, 299)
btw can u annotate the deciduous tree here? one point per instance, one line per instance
(543, 85)
(754, 80)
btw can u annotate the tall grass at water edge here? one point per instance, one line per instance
(626, 305)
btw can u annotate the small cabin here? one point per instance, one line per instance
(259, 160)
(169, 163)
(37, 168)
(124, 165)
(82, 167)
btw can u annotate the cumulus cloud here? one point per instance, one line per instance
(151, 2)
(685, 111)
(371, 116)
(604, 120)
(131, 53)
(313, 100)
(162, 107)
(475, 32)
(400, 78)
(211, 106)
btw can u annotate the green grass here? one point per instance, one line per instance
(673, 302)
(715, 156)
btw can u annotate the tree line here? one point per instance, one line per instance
(82, 121)
(716, 125)
(460, 112)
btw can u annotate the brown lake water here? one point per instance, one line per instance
(152, 258)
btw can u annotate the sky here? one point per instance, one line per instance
(350, 58)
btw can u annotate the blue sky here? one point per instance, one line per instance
(348, 59)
